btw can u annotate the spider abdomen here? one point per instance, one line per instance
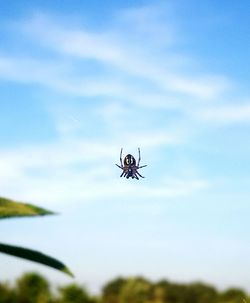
(129, 160)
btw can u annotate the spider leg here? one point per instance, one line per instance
(121, 157)
(121, 167)
(125, 174)
(139, 156)
(122, 173)
(141, 166)
(139, 174)
(136, 176)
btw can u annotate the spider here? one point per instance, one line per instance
(130, 168)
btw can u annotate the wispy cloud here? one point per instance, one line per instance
(107, 48)
(236, 113)
(124, 73)
(64, 186)
(56, 75)
(79, 171)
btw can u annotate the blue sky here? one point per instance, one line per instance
(78, 81)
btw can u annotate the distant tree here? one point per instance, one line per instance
(200, 293)
(233, 295)
(175, 293)
(159, 292)
(112, 290)
(135, 290)
(33, 288)
(7, 294)
(165, 291)
(73, 293)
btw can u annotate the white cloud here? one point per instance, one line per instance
(137, 60)
(66, 187)
(150, 22)
(58, 76)
(225, 114)
(77, 172)
(124, 73)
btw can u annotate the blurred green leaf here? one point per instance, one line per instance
(10, 208)
(35, 256)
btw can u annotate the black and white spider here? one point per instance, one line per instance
(130, 169)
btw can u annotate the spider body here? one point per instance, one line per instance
(129, 166)
(129, 160)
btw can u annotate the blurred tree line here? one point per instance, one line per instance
(34, 288)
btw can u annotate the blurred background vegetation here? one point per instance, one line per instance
(34, 288)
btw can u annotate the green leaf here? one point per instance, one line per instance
(10, 208)
(34, 256)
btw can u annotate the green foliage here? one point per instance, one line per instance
(159, 292)
(33, 288)
(10, 208)
(111, 291)
(33, 255)
(176, 293)
(233, 295)
(7, 294)
(140, 290)
(74, 294)
(135, 290)
(199, 292)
